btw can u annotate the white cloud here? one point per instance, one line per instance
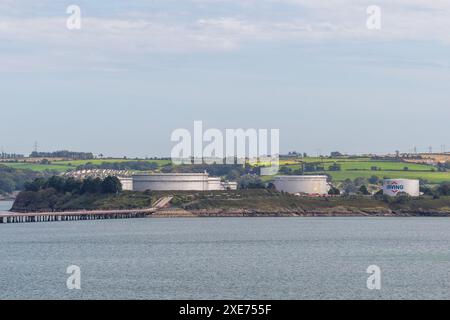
(318, 20)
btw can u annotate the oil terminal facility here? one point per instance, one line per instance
(295, 184)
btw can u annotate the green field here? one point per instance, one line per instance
(63, 166)
(350, 168)
(431, 177)
(38, 167)
(76, 163)
(352, 164)
(362, 167)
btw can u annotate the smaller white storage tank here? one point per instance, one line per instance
(214, 184)
(302, 184)
(393, 187)
(127, 183)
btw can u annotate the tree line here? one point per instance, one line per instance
(12, 179)
(63, 154)
(71, 185)
(125, 165)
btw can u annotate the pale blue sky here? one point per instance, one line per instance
(137, 70)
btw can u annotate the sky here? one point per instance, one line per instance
(138, 70)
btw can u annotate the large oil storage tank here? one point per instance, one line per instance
(171, 181)
(180, 182)
(393, 187)
(312, 185)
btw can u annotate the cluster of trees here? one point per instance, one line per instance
(14, 179)
(444, 189)
(334, 191)
(63, 154)
(443, 167)
(358, 186)
(125, 165)
(297, 154)
(71, 185)
(250, 181)
(335, 167)
(313, 166)
(361, 190)
(4, 155)
(441, 190)
(336, 154)
(289, 171)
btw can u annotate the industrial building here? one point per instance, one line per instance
(310, 185)
(393, 187)
(180, 182)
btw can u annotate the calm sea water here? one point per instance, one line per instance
(227, 258)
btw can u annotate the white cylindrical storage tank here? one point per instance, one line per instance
(171, 181)
(214, 184)
(127, 183)
(302, 184)
(393, 187)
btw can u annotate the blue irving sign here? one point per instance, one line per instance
(395, 187)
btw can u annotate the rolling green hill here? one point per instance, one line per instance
(351, 168)
(63, 166)
(38, 167)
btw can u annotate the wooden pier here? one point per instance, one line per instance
(76, 215)
(83, 215)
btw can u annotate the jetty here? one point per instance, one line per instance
(84, 215)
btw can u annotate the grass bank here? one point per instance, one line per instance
(241, 202)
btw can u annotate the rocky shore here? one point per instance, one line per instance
(330, 212)
(241, 203)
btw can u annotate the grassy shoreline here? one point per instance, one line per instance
(258, 202)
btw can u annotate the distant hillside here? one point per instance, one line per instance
(12, 179)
